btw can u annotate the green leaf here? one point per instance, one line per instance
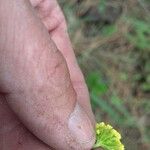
(107, 138)
(104, 106)
(109, 30)
(145, 87)
(102, 6)
(96, 84)
(140, 33)
(120, 106)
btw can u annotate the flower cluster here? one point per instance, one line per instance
(107, 138)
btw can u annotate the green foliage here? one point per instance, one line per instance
(140, 33)
(120, 106)
(109, 30)
(139, 37)
(96, 84)
(102, 6)
(104, 106)
(114, 107)
(107, 138)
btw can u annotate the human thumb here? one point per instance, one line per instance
(35, 81)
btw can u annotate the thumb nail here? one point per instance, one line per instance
(81, 127)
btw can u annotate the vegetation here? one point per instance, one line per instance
(112, 43)
(107, 138)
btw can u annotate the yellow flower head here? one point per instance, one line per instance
(107, 137)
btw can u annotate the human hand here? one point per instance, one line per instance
(40, 81)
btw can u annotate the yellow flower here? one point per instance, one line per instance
(107, 137)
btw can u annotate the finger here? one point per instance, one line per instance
(54, 20)
(36, 82)
(13, 134)
(61, 38)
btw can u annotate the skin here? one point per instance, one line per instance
(44, 101)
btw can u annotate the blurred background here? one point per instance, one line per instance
(111, 39)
